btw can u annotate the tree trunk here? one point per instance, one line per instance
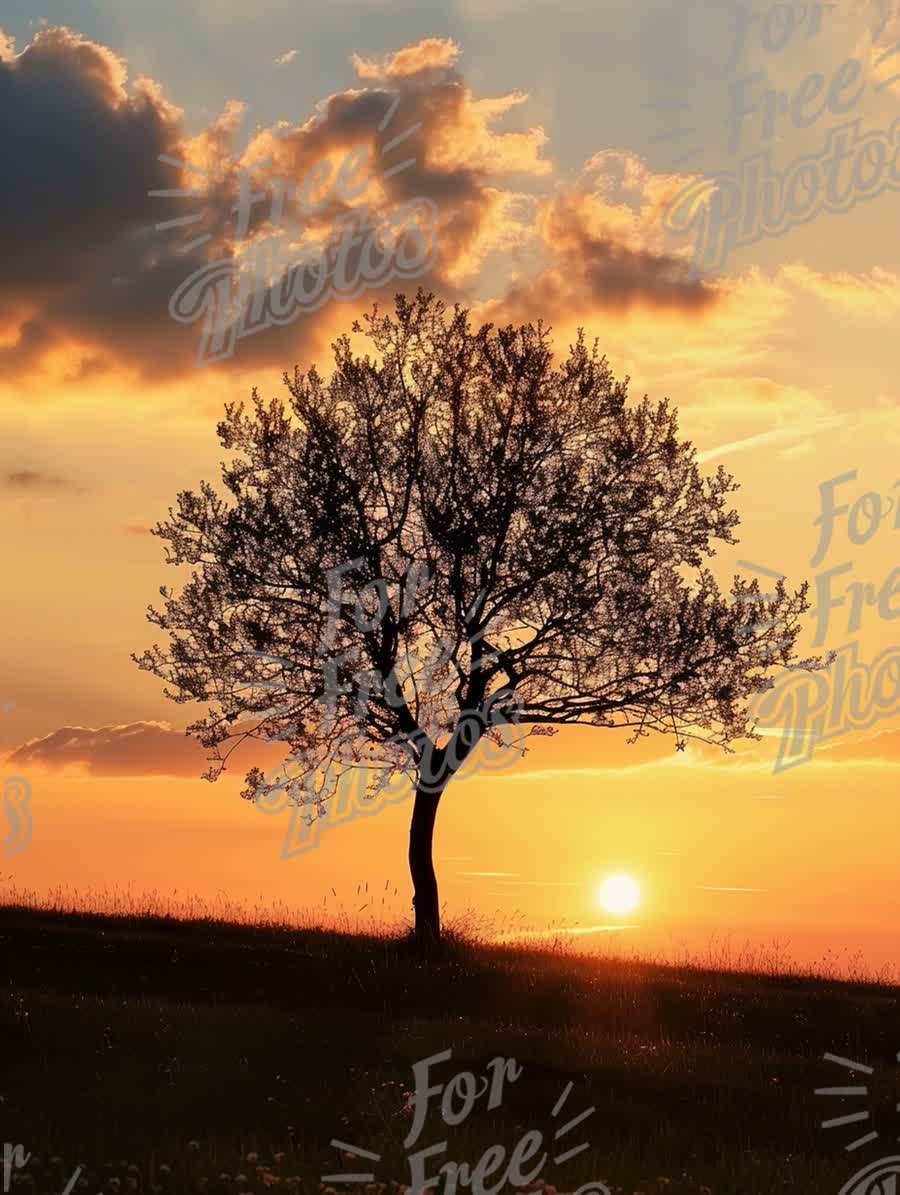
(421, 868)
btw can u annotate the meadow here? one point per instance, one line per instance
(169, 1055)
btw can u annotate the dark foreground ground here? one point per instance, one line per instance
(164, 1056)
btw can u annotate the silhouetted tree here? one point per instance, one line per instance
(528, 545)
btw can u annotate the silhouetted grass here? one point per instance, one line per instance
(160, 1053)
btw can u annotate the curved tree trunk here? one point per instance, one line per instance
(421, 868)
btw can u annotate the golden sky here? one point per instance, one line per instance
(550, 138)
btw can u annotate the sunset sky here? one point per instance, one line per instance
(550, 137)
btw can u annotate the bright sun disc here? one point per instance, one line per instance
(619, 894)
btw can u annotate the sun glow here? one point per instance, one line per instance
(619, 894)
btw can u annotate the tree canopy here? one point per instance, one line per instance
(454, 533)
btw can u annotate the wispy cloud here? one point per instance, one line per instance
(574, 931)
(33, 480)
(542, 884)
(711, 888)
(773, 437)
(489, 874)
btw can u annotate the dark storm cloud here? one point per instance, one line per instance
(81, 156)
(86, 272)
(618, 276)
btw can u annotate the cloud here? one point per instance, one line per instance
(90, 292)
(33, 480)
(438, 137)
(874, 293)
(285, 58)
(773, 437)
(134, 749)
(69, 119)
(605, 240)
(883, 746)
(432, 53)
(144, 748)
(88, 295)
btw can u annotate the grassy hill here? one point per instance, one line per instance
(198, 1056)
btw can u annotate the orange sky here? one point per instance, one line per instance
(784, 369)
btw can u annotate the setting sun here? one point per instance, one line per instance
(619, 894)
